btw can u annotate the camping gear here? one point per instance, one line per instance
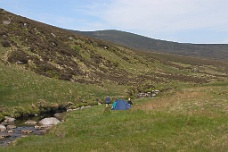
(120, 104)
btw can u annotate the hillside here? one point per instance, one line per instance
(88, 68)
(137, 42)
(56, 53)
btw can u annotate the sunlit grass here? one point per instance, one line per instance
(20, 89)
(177, 122)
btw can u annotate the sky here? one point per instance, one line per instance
(184, 21)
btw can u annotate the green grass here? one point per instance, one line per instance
(19, 89)
(20, 86)
(165, 127)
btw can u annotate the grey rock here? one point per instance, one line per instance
(26, 131)
(31, 122)
(49, 121)
(11, 126)
(6, 22)
(59, 116)
(2, 128)
(9, 120)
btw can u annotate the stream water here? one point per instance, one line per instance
(19, 129)
(12, 134)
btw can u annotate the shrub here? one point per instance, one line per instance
(6, 44)
(18, 56)
(77, 48)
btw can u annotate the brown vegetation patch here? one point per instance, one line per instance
(183, 78)
(19, 56)
(6, 44)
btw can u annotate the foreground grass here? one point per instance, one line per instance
(177, 122)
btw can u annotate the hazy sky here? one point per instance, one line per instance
(189, 21)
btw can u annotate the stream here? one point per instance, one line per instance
(11, 134)
(20, 129)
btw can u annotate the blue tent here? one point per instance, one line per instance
(120, 105)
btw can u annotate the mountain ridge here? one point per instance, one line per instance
(142, 43)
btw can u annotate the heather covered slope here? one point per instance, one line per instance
(56, 53)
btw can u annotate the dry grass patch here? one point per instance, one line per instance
(174, 100)
(204, 101)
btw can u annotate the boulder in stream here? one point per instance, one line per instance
(59, 116)
(11, 126)
(24, 131)
(10, 131)
(49, 121)
(31, 122)
(2, 128)
(4, 136)
(9, 120)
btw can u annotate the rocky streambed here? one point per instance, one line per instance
(11, 129)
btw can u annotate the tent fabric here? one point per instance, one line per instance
(120, 105)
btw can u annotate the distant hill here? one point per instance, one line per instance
(137, 42)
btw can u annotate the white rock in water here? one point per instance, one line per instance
(9, 119)
(49, 121)
(2, 128)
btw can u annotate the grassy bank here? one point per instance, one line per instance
(193, 119)
(20, 89)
